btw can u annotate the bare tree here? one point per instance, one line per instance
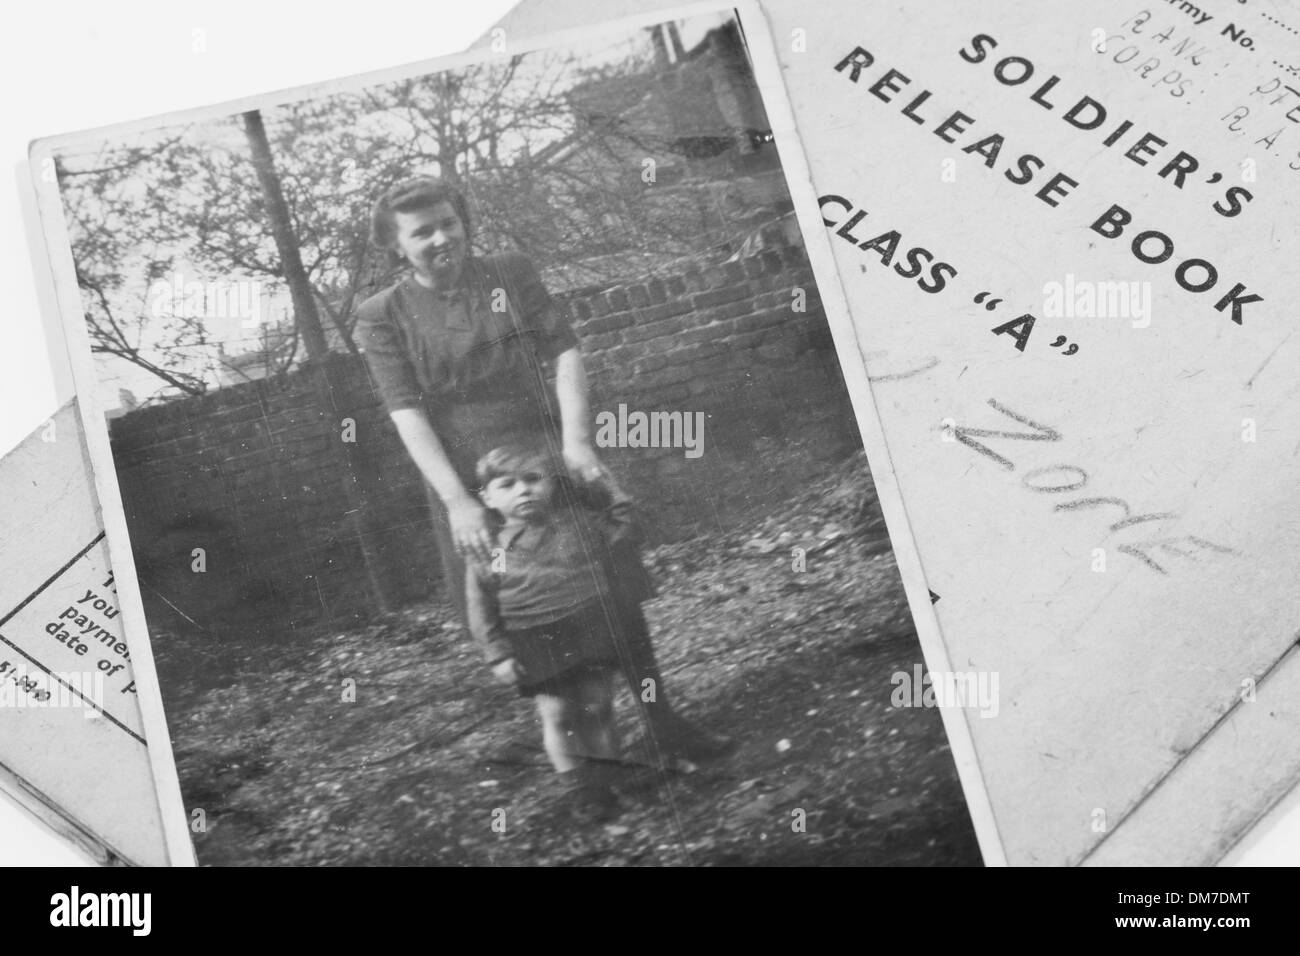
(552, 153)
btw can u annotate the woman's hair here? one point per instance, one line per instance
(419, 192)
(514, 459)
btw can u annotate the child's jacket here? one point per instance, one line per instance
(574, 562)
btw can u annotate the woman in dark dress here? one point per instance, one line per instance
(456, 349)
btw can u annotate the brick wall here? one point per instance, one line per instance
(254, 474)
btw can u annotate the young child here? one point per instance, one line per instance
(544, 611)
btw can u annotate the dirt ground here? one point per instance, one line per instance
(391, 745)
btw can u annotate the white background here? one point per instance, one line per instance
(76, 64)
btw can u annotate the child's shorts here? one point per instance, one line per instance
(560, 654)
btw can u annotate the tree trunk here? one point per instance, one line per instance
(286, 243)
(332, 394)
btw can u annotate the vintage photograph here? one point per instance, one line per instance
(495, 491)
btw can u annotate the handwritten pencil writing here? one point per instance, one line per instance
(1057, 479)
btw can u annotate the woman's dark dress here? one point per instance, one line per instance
(472, 360)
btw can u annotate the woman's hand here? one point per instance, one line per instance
(508, 671)
(471, 532)
(470, 528)
(580, 458)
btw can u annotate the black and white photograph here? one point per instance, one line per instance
(494, 487)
